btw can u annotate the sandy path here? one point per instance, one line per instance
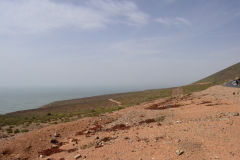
(115, 101)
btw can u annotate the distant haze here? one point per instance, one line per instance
(134, 44)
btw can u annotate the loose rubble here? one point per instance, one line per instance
(189, 125)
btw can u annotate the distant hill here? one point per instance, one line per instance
(227, 74)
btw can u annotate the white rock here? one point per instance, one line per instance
(77, 156)
(56, 134)
(54, 146)
(41, 156)
(235, 114)
(179, 152)
(178, 122)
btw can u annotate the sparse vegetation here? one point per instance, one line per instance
(24, 130)
(225, 75)
(9, 130)
(87, 107)
(16, 131)
(65, 111)
(68, 110)
(195, 88)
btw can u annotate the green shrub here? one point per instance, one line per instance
(16, 131)
(11, 126)
(24, 130)
(9, 130)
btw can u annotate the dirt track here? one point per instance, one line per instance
(201, 125)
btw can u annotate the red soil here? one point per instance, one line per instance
(201, 125)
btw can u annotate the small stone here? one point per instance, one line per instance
(126, 138)
(235, 114)
(77, 156)
(179, 152)
(56, 134)
(178, 140)
(98, 144)
(41, 156)
(54, 146)
(54, 141)
(87, 132)
(178, 122)
(28, 147)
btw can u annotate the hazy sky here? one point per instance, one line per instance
(145, 43)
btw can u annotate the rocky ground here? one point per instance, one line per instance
(201, 126)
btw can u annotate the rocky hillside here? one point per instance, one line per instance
(203, 125)
(227, 74)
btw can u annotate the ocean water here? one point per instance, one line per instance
(15, 99)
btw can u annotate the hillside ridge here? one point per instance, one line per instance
(224, 75)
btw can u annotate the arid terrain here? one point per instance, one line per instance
(201, 126)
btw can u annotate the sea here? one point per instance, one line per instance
(16, 99)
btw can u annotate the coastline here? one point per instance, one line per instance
(22, 99)
(74, 109)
